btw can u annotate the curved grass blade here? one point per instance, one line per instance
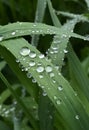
(57, 88)
(53, 16)
(73, 16)
(25, 28)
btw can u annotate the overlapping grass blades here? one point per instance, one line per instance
(65, 101)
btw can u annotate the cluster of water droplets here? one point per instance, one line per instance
(6, 112)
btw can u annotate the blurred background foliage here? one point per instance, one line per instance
(24, 10)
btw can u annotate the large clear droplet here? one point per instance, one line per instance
(60, 88)
(32, 54)
(40, 69)
(48, 68)
(32, 63)
(24, 51)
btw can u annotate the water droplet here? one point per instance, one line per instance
(44, 93)
(1, 38)
(63, 36)
(65, 51)
(54, 81)
(32, 54)
(40, 76)
(29, 75)
(60, 88)
(33, 80)
(55, 98)
(48, 68)
(41, 56)
(54, 48)
(13, 33)
(58, 102)
(40, 69)
(17, 60)
(24, 51)
(51, 75)
(32, 63)
(77, 117)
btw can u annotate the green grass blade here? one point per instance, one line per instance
(33, 123)
(74, 16)
(87, 2)
(57, 88)
(79, 73)
(26, 28)
(58, 47)
(45, 113)
(2, 65)
(53, 15)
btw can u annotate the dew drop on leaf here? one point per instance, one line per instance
(41, 56)
(48, 69)
(33, 80)
(32, 54)
(77, 117)
(13, 33)
(60, 88)
(40, 76)
(58, 102)
(65, 51)
(32, 63)
(51, 75)
(40, 69)
(29, 75)
(24, 51)
(1, 38)
(44, 93)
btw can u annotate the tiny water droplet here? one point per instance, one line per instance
(24, 51)
(17, 60)
(29, 75)
(60, 88)
(48, 69)
(58, 102)
(51, 75)
(13, 33)
(32, 63)
(44, 93)
(40, 69)
(32, 54)
(55, 97)
(1, 38)
(77, 117)
(41, 56)
(65, 51)
(33, 80)
(40, 76)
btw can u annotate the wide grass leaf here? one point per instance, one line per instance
(55, 87)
